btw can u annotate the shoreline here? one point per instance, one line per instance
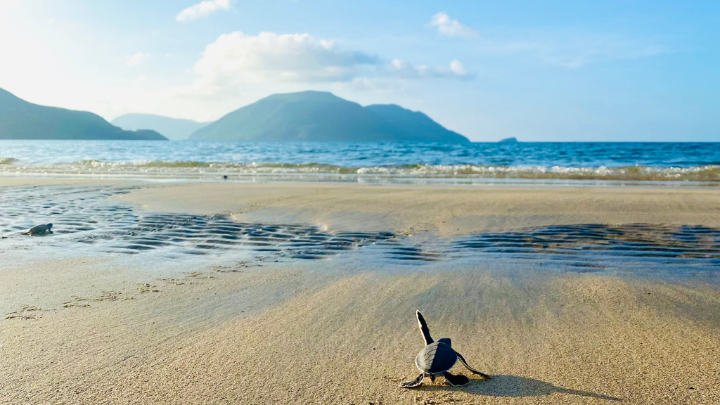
(584, 178)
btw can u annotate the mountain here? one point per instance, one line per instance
(173, 128)
(321, 116)
(509, 140)
(22, 120)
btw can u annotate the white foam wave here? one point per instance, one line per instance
(195, 169)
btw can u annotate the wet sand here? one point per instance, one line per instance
(443, 210)
(88, 330)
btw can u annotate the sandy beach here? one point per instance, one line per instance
(92, 329)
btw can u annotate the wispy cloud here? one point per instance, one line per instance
(450, 27)
(202, 9)
(574, 50)
(456, 70)
(137, 59)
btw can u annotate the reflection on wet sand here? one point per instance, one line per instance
(88, 216)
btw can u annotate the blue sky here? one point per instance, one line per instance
(538, 70)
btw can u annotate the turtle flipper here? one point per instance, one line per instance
(472, 370)
(424, 328)
(414, 383)
(456, 380)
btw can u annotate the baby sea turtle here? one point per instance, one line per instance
(437, 358)
(39, 230)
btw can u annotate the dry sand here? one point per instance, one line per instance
(322, 332)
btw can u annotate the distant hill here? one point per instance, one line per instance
(22, 120)
(508, 140)
(173, 128)
(321, 116)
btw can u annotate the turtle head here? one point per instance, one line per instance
(447, 341)
(49, 226)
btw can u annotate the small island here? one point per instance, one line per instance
(509, 140)
(173, 128)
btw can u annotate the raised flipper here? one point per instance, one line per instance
(472, 370)
(424, 328)
(456, 380)
(414, 383)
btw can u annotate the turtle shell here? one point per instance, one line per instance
(436, 358)
(40, 229)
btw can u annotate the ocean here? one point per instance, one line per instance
(566, 163)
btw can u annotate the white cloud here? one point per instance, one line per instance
(237, 62)
(272, 57)
(451, 28)
(9, 5)
(456, 70)
(202, 9)
(137, 59)
(140, 80)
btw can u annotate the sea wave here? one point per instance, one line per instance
(198, 169)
